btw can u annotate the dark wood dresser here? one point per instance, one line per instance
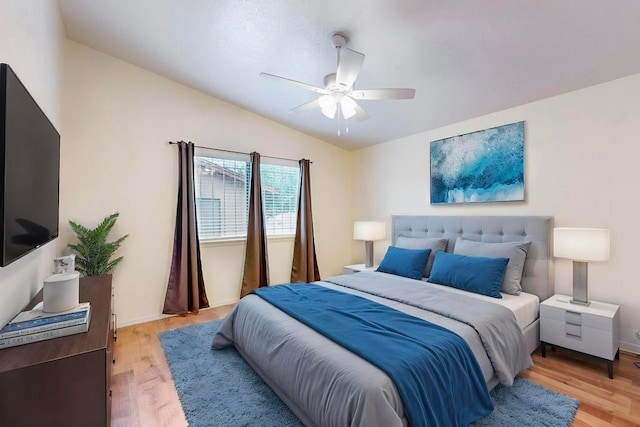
(62, 381)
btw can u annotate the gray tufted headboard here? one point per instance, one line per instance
(537, 276)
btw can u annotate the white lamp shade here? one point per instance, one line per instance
(582, 244)
(369, 230)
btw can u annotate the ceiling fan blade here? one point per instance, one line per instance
(307, 106)
(295, 83)
(349, 67)
(375, 94)
(360, 113)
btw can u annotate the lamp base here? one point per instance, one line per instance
(368, 253)
(575, 301)
(580, 270)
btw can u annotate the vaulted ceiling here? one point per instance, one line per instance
(465, 58)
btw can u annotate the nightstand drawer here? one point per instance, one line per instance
(573, 330)
(567, 315)
(596, 342)
(573, 318)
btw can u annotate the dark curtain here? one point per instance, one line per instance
(256, 269)
(305, 264)
(185, 290)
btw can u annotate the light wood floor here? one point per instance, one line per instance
(144, 395)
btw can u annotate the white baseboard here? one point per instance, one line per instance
(122, 324)
(224, 302)
(630, 347)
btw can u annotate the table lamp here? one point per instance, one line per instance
(369, 231)
(582, 245)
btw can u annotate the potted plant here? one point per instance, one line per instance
(93, 251)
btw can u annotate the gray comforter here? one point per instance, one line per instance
(326, 385)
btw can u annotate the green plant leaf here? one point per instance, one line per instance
(93, 252)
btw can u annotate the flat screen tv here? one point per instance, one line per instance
(29, 169)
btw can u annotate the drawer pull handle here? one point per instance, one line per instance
(573, 330)
(573, 318)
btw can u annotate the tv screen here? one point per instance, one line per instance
(29, 169)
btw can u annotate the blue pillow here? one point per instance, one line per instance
(474, 274)
(404, 262)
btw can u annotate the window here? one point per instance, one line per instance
(208, 209)
(222, 195)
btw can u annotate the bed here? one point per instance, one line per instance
(325, 384)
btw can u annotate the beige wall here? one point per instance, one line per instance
(581, 154)
(31, 42)
(118, 120)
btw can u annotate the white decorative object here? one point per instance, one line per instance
(61, 292)
(369, 231)
(64, 264)
(581, 245)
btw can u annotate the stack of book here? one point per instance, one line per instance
(35, 325)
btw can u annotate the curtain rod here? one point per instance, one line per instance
(239, 152)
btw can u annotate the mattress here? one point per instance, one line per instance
(526, 307)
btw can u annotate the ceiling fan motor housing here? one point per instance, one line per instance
(329, 80)
(339, 40)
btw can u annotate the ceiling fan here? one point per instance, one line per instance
(339, 94)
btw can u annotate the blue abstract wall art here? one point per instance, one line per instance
(482, 166)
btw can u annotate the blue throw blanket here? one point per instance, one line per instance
(434, 370)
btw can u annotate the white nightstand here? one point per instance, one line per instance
(592, 329)
(349, 269)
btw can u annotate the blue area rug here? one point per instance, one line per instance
(218, 388)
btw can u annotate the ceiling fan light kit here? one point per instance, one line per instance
(348, 107)
(339, 94)
(329, 105)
